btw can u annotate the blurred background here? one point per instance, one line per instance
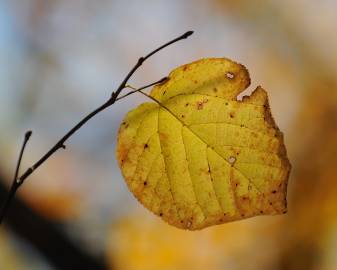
(61, 59)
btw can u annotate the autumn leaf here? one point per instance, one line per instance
(197, 156)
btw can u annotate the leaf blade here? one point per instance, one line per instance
(220, 159)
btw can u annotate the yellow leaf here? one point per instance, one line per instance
(198, 156)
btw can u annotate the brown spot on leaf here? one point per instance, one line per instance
(122, 153)
(162, 136)
(200, 104)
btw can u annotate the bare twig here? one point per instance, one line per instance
(61, 143)
(142, 59)
(158, 102)
(135, 90)
(15, 182)
(155, 100)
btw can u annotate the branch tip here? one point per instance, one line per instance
(163, 80)
(187, 34)
(28, 134)
(17, 181)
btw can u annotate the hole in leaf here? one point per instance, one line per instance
(230, 75)
(231, 160)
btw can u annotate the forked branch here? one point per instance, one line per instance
(61, 143)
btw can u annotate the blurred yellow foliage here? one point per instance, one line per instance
(55, 205)
(10, 258)
(143, 242)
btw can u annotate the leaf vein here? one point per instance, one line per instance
(189, 172)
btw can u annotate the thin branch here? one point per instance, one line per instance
(155, 100)
(142, 59)
(15, 182)
(159, 103)
(108, 103)
(135, 90)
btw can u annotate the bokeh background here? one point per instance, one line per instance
(61, 59)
